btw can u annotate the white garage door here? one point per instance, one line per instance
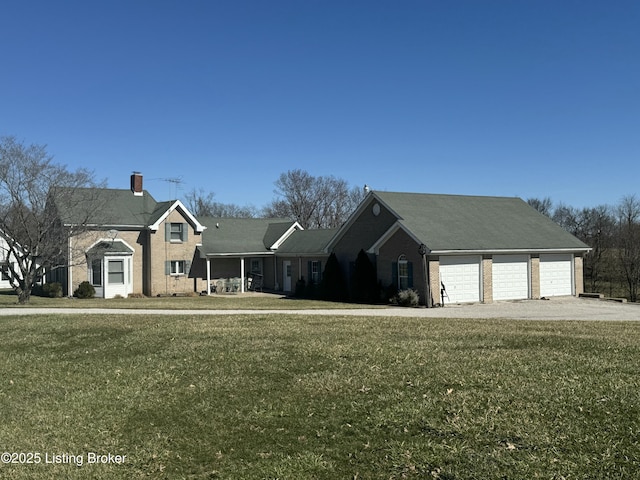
(461, 278)
(510, 277)
(556, 275)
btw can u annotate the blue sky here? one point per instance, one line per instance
(517, 98)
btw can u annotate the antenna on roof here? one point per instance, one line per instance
(177, 185)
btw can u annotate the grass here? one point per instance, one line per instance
(301, 397)
(251, 301)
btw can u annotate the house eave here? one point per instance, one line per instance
(498, 251)
(240, 254)
(178, 205)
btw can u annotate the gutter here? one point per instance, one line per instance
(510, 250)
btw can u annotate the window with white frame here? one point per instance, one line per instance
(116, 272)
(403, 272)
(177, 267)
(177, 232)
(96, 272)
(315, 271)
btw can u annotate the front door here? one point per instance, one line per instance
(286, 275)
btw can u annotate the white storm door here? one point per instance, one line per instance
(286, 275)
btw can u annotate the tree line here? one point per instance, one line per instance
(30, 181)
(313, 201)
(612, 266)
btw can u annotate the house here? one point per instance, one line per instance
(129, 243)
(476, 249)
(10, 263)
(469, 248)
(7, 261)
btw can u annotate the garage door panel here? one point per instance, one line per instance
(510, 277)
(461, 277)
(556, 275)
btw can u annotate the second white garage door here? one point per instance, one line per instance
(556, 275)
(510, 277)
(461, 278)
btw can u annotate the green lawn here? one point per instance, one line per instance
(301, 397)
(249, 301)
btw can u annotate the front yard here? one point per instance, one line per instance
(303, 397)
(251, 301)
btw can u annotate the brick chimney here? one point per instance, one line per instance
(136, 183)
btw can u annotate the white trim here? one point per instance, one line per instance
(509, 250)
(295, 226)
(70, 268)
(242, 275)
(241, 254)
(178, 205)
(111, 240)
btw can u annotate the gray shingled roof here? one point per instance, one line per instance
(241, 235)
(307, 242)
(459, 222)
(107, 207)
(110, 247)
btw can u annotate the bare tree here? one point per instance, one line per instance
(202, 203)
(29, 225)
(628, 238)
(568, 218)
(597, 231)
(544, 206)
(315, 202)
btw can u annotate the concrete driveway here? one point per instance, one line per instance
(566, 308)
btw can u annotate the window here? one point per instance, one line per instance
(256, 266)
(116, 272)
(403, 272)
(315, 272)
(177, 232)
(177, 267)
(96, 272)
(5, 272)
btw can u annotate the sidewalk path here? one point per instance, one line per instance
(555, 309)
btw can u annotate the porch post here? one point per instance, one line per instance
(70, 269)
(241, 274)
(208, 276)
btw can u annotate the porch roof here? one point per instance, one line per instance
(242, 236)
(307, 242)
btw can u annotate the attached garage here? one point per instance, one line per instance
(510, 277)
(461, 276)
(556, 275)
